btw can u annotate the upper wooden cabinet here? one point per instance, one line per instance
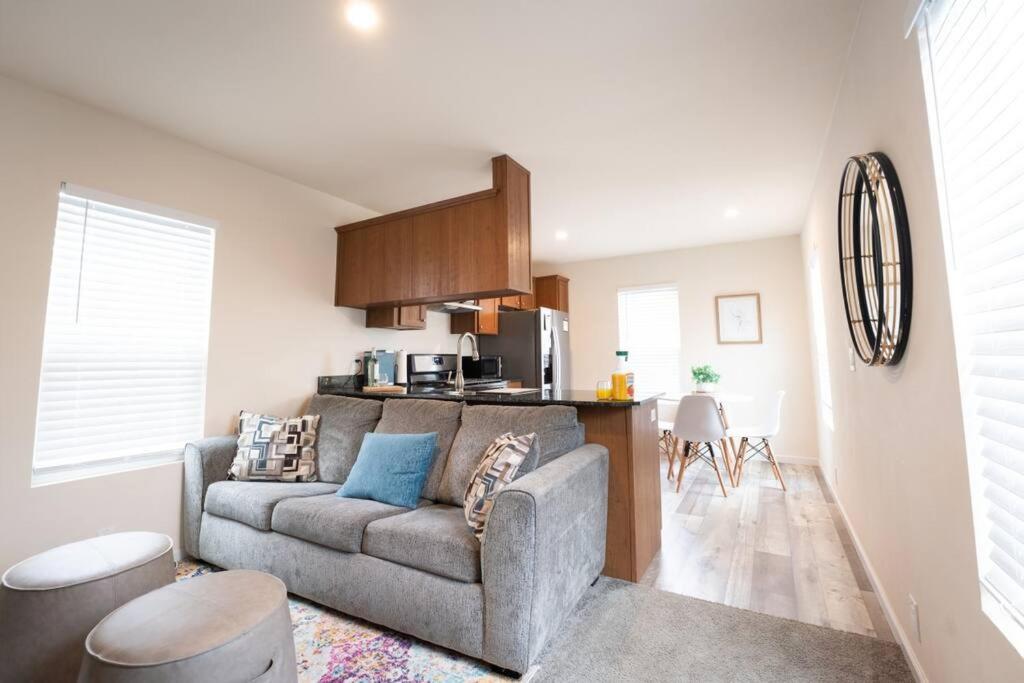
(552, 291)
(397, 317)
(519, 302)
(484, 321)
(474, 246)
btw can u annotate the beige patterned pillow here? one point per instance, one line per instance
(498, 469)
(275, 449)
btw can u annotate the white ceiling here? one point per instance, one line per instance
(640, 120)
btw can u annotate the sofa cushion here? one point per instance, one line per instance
(343, 422)
(435, 539)
(275, 448)
(418, 416)
(252, 502)
(498, 469)
(329, 520)
(391, 468)
(556, 428)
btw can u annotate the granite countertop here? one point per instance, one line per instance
(572, 397)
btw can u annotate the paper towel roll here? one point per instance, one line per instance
(400, 369)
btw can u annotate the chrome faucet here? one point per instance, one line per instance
(460, 381)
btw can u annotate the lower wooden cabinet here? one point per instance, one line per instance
(484, 321)
(630, 433)
(397, 317)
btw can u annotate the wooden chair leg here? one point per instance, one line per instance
(684, 459)
(739, 460)
(714, 464)
(726, 451)
(671, 444)
(775, 465)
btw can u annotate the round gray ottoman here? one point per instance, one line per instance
(50, 602)
(228, 626)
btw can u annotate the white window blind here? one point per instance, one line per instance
(974, 53)
(124, 348)
(649, 330)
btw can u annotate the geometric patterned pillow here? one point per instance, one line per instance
(275, 449)
(499, 466)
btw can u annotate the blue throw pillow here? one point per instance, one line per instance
(391, 468)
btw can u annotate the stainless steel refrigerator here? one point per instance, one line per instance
(534, 347)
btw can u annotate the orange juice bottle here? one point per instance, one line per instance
(622, 378)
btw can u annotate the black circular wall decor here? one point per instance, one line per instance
(874, 258)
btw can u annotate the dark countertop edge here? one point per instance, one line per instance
(531, 399)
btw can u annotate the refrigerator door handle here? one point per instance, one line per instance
(556, 361)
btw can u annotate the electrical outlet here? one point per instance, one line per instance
(654, 414)
(853, 359)
(915, 618)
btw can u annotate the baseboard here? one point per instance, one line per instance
(883, 598)
(797, 460)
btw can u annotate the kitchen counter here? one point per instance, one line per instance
(573, 397)
(628, 429)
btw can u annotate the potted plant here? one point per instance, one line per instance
(704, 377)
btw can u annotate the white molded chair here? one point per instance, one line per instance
(756, 440)
(698, 426)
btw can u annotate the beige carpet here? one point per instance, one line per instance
(626, 632)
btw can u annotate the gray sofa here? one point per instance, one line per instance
(419, 571)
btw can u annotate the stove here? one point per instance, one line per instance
(434, 373)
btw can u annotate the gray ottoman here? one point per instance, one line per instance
(228, 626)
(50, 602)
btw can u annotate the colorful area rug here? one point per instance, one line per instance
(330, 646)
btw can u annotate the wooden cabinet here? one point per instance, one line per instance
(473, 246)
(397, 317)
(552, 291)
(520, 302)
(630, 433)
(484, 321)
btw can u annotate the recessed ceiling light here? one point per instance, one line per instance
(731, 212)
(561, 235)
(362, 15)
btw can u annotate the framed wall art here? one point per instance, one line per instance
(739, 318)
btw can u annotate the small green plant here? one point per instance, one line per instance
(704, 374)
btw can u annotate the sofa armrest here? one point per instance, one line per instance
(206, 461)
(543, 546)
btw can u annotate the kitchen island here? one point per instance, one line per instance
(628, 429)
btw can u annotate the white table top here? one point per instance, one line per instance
(720, 396)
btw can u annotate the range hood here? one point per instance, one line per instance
(455, 306)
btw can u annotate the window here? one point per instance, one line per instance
(649, 330)
(974, 61)
(821, 343)
(123, 375)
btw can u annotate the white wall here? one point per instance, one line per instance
(772, 267)
(274, 327)
(897, 459)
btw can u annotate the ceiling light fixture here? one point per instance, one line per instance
(731, 212)
(561, 235)
(362, 15)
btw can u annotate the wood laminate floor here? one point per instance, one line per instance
(787, 554)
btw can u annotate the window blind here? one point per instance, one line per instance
(975, 60)
(125, 341)
(649, 330)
